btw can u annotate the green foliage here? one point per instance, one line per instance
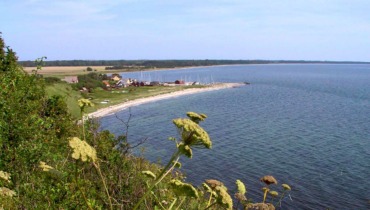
(52, 80)
(32, 126)
(90, 81)
(184, 189)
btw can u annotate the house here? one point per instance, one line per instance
(106, 83)
(130, 81)
(116, 77)
(155, 83)
(71, 79)
(180, 82)
(122, 83)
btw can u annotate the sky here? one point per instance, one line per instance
(335, 30)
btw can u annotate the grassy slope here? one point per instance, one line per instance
(71, 96)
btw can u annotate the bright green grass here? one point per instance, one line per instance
(71, 96)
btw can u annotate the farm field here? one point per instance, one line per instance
(59, 71)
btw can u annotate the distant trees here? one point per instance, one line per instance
(120, 64)
(52, 80)
(134, 64)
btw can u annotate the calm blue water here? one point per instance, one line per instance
(307, 125)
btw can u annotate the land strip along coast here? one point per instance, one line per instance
(127, 104)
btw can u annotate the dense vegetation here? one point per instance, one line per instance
(48, 161)
(134, 64)
(90, 81)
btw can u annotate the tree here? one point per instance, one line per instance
(29, 120)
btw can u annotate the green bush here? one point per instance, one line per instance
(52, 80)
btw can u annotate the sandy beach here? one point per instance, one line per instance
(124, 105)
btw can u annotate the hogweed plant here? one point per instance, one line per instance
(192, 136)
(83, 103)
(218, 194)
(286, 188)
(240, 194)
(82, 151)
(268, 180)
(267, 191)
(4, 191)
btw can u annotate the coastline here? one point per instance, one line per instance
(127, 104)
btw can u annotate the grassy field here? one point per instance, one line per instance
(61, 71)
(111, 97)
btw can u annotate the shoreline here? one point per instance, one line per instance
(127, 104)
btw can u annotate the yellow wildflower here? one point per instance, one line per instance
(82, 103)
(223, 197)
(195, 117)
(214, 183)
(268, 180)
(82, 150)
(265, 206)
(5, 175)
(192, 134)
(7, 192)
(241, 187)
(44, 166)
(274, 193)
(203, 115)
(186, 150)
(286, 187)
(149, 174)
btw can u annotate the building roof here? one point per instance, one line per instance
(71, 79)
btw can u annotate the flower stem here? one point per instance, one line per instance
(78, 187)
(175, 157)
(210, 205)
(105, 185)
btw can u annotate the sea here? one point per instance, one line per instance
(308, 125)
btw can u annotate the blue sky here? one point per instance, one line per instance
(187, 29)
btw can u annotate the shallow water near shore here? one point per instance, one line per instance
(307, 125)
